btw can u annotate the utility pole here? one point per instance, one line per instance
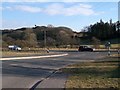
(45, 38)
(29, 39)
(118, 29)
(46, 49)
(107, 45)
(117, 25)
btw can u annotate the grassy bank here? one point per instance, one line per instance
(102, 74)
(22, 53)
(32, 51)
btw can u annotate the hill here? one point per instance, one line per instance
(36, 36)
(42, 36)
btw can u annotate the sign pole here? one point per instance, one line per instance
(109, 51)
(107, 45)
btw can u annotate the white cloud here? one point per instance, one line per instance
(58, 9)
(28, 8)
(85, 6)
(9, 8)
(80, 9)
(54, 9)
(99, 13)
(9, 0)
(1, 8)
(77, 9)
(26, 0)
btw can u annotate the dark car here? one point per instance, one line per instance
(85, 48)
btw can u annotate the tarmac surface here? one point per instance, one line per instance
(44, 72)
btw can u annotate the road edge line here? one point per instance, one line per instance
(34, 57)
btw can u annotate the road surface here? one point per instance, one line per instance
(37, 72)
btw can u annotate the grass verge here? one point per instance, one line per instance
(21, 53)
(102, 74)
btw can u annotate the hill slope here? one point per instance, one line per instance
(30, 37)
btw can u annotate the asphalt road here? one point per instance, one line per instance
(31, 72)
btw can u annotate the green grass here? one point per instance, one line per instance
(102, 74)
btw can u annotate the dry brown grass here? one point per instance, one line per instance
(19, 53)
(103, 74)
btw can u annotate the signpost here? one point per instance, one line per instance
(107, 45)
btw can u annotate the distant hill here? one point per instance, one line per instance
(39, 36)
(55, 36)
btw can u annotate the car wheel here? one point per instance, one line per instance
(91, 50)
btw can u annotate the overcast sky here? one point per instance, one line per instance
(75, 15)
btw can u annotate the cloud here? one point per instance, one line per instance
(80, 9)
(99, 13)
(77, 9)
(1, 8)
(26, 0)
(6, 8)
(9, 0)
(58, 9)
(28, 8)
(54, 9)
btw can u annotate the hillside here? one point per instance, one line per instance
(41, 36)
(34, 37)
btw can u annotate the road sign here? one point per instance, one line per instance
(108, 44)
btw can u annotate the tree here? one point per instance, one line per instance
(30, 38)
(96, 42)
(8, 39)
(50, 41)
(102, 31)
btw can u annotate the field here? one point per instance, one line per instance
(102, 74)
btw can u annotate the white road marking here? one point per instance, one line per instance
(33, 57)
(14, 64)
